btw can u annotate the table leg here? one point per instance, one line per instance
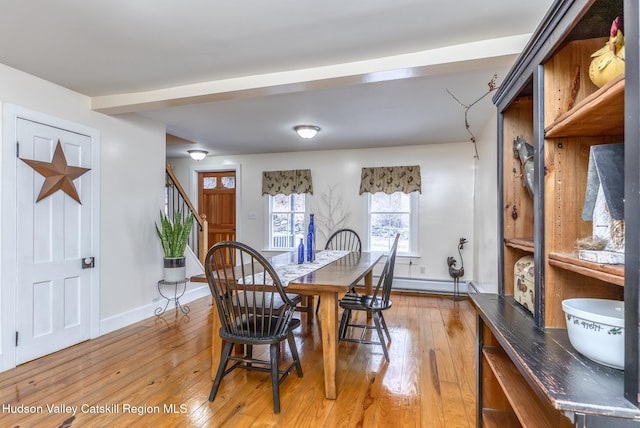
(329, 330)
(310, 309)
(368, 283)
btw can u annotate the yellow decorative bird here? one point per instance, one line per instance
(608, 61)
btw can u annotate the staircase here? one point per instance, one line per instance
(176, 199)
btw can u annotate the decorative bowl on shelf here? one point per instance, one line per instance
(596, 329)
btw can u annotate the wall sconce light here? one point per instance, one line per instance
(306, 131)
(197, 154)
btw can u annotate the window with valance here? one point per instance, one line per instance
(392, 207)
(287, 205)
(294, 181)
(391, 179)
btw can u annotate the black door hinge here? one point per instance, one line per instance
(16, 338)
(17, 149)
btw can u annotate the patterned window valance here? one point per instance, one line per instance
(287, 182)
(391, 179)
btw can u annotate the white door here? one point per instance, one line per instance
(53, 238)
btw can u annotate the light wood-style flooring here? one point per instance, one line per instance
(156, 373)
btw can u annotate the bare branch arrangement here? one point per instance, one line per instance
(492, 87)
(330, 212)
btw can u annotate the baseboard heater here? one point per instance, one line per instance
(427, 285)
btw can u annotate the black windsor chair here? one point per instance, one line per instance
(343, 239)
(253, 310)
(375, 305)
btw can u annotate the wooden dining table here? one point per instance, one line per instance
(329, 282)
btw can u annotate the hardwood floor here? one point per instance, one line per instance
(156, 373)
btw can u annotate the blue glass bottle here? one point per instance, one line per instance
(301, 252)
(311, 256)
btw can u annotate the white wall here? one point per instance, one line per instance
(446, 202)
(132, 179)
(486, 210)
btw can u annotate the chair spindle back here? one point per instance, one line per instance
(344, 239)
(250, 298)
(383, 288)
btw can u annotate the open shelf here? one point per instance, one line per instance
(499, 419)
(601, 113)
(528, 408)
(524, 244)
(569, 261)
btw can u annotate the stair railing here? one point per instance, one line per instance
(176, 199)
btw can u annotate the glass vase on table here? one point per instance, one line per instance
(301, 252)
(311, 240)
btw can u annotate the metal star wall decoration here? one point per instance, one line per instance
(57, 175)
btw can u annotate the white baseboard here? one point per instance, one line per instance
(409, 284)
(138, 314)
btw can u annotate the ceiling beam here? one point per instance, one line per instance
(452, 59)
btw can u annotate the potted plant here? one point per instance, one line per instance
(174, 236)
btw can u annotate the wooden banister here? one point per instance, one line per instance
(203, 232)
(184, 194)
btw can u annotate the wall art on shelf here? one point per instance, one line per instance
(604, 205)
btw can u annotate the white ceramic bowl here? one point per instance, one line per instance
(596, 329)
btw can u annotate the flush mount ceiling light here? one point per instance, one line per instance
(306, 131)
(197, 154)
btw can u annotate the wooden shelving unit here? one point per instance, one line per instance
(529, 374)
(596, 117)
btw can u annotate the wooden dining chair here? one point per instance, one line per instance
(375, 305)
(253, 310)
(343, 239)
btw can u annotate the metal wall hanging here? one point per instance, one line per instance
(57, 175)
(524, 151)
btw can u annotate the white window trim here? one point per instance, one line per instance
(414, 201)
(267, 210)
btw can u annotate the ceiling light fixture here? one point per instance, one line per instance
(197, 154)
(306, 131)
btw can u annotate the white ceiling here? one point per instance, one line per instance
(236, 76)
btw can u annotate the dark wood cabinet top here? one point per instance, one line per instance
(570, 382)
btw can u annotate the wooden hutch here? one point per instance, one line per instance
(529, 375)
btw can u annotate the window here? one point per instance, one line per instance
(226, 182)
(286, 220)
(391, 214)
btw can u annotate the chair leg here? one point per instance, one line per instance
(318, 305)
(344, 322)
(376, 320)
(294, 353)
(384, 326)
(249, 353)
(226, 351)
(275, 382)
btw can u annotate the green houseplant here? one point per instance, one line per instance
(174, 236)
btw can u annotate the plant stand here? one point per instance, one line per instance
(177, 294)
